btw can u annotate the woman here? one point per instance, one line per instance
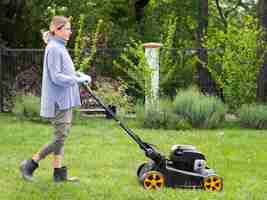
(60, 93)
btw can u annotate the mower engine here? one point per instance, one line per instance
(186, 157)
(185, 168)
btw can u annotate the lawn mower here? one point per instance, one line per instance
(185, 167)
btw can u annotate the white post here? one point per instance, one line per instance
(152, 57)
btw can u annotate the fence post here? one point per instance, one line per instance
(152, 57)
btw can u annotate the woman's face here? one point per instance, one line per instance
(64, 31)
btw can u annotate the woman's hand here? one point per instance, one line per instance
(82, 78)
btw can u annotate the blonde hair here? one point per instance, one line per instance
(57, 22)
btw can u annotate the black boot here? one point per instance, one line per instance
(61, 174)
(27, 168)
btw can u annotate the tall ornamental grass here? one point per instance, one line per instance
(253, 116)
(200, 110)
(162, 117)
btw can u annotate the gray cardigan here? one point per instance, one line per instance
(59, 85)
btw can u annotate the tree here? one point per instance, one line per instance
(139, 13)
(10, 14)
(228, 8)
(262, 76)
(204, 79)
(139, 8)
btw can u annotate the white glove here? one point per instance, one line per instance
(82, 78)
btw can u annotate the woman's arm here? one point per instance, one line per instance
(54, 65)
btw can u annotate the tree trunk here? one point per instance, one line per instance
(262, 76)
(139, 13)
(139, 8)
(204, 80)
(1, 82)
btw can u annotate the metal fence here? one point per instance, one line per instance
(21, 70)
(13, 62)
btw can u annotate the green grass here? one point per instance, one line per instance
(106, 161)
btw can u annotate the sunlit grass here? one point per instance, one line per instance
(106, 161)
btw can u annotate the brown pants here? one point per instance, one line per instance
(61, 124)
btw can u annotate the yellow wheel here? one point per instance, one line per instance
(153, 180)
(213, 183)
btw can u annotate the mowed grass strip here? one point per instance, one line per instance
(106, 159)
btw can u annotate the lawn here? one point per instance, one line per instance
(106, 160)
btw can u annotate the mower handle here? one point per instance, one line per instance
(149, 150)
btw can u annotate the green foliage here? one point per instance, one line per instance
(79, 42)
(176, 69)
(133, 64)
(160, 13)
(172, 23)
(235, 66)
(81, 59)
(168, 67)
(27, 106)
(87, 61)
(114, 93)
(53, 10)
(8, 92)
(253, 116)
(200, 110)
(162, 118)
(159, 119)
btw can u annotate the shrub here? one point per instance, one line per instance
(28, 80)
(200, 110)
(236, 66)
(84, 60)
(164, 117)
(27, 106)
(253, 116)
(110, 92)
(133, 66)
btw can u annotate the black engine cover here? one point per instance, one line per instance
(184, 158)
